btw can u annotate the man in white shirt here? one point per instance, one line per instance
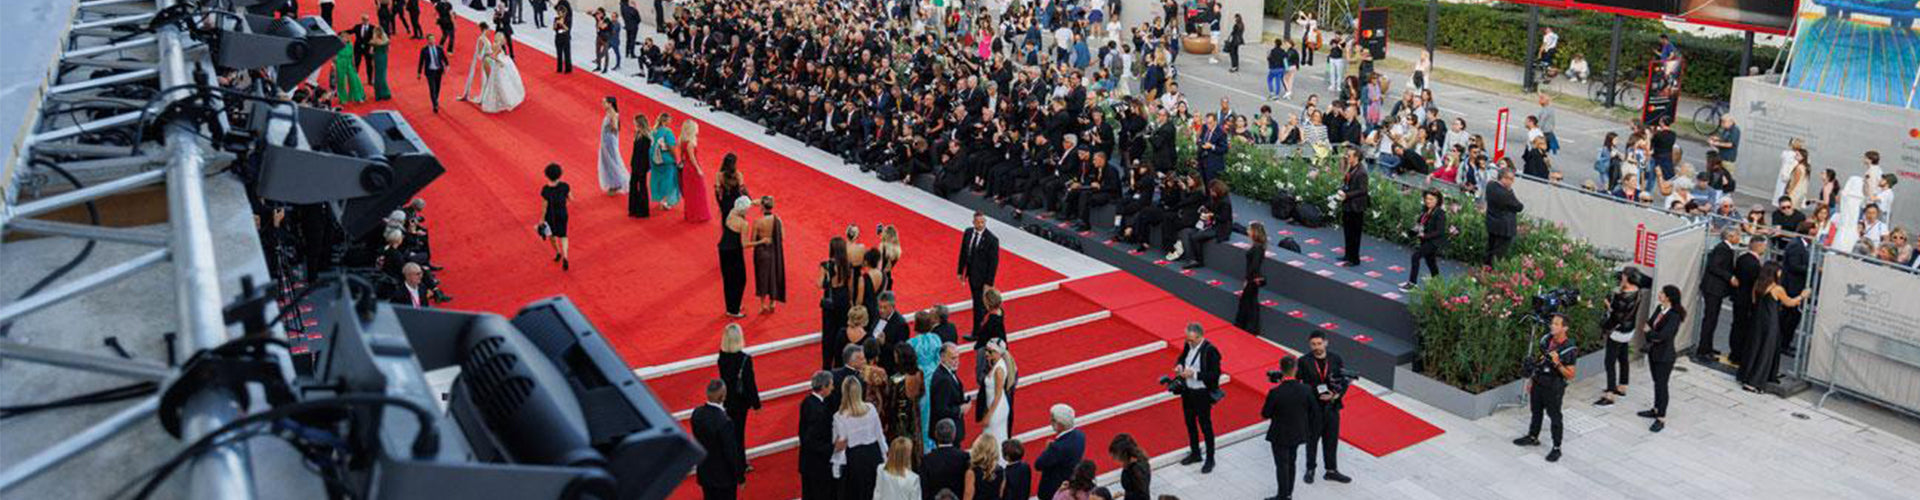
(411, 291)
(1872, 229)
(1871, 180)
(1062, 43)
(1199, 377)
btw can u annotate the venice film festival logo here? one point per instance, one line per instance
(1863, 294)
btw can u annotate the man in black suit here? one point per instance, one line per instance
(413, 19)
(1322, 374)
(945, 393)
(889, 323)
(1354, 201)
(1213, 149)
(433, 64)
(630, 19)
(979, 260)
(1503, 216)
(443, 11)
(1794, 265)
(1198, 376)
(720, 474)
(1063, 454)
(1746, 270)
(363, 47)
(1715, 285)
(944, 326)
(1291, 409)
(854, 361)
(411, 291)
(945, 466)
(816, 440)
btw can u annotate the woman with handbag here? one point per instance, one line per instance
(553, 223)
(664, 172)
(743, 391)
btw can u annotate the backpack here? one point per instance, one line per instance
(1310, 216)
(1283, 205)
(1288, 244)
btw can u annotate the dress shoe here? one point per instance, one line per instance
(1526, 441)
(1553, 456)
(1603, 402)
(1648, 414)
(1308, 478)
(1190, 460)
(1207, 468)
(1658, 425)
(1191, 265)
(1336, 476)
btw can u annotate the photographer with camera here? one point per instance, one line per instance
(1197, 380)
(1325, 373)
(1625, 312)
(1548, 372)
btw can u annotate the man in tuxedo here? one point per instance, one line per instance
(411, 292)
(1291, 411)
(979, 260)
(1198, 376)
(1321, 373)
(1746, 270)
(1794, 265)
(503, 24)
(946, 395)
(1503, 216)
(443, 11)
(433, 64)
(945, 466)
(413, 19)
(889, 323)
(1069, 446)
(1716, 284)
(855, 362)
(944, 326)
(1354, 201)
(363, 47)
(816, 440)
(720, 474)
(1213, 150)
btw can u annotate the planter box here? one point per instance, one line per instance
(1472, 406)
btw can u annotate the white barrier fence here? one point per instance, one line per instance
(1865, 335)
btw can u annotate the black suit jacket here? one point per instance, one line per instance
(947, 332)
(1718, 280)
(714, 431)
(816, 435)
(1503, 210)
(1746, 268)
(1209, 364)
(1661, 330)
(1315, 371)
(1793, 266)
(433, 70)
(945, 396)
(1354, 186)
(1290, 406)
(944, 468)
(1057, 462)
(896, 330)
(401, 297)
(840, 376)
(979, 261)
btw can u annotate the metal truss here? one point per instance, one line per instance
(90, 113)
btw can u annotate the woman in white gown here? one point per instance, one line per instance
(502, 89)
(1846, 219)
(613, 170)
(1000, 385)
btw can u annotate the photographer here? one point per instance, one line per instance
(1548, 373)
(1625, 309)
(1325, 373)
(1197, 380)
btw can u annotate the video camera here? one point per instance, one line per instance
(1551, 302)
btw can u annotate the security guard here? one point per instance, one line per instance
(1549, 374)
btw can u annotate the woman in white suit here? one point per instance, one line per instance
(897, 480)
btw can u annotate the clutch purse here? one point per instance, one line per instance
(543, 230)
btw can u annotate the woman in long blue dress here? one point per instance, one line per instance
(664, 181)
(926, 347)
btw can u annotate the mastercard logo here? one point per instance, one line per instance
(1914, 133)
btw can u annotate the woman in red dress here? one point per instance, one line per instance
(692, 179)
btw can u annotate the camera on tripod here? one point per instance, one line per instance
(1551, 302)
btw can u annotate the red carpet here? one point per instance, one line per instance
(652, 285)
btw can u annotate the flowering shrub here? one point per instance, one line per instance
(1474, 329)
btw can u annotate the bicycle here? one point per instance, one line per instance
(1706, 120)
(1624, 90)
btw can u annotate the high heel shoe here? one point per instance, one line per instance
(564, 265)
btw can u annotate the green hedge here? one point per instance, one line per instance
(1500, 31)
(1471, 328)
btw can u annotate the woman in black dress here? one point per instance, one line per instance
(637, 195)
(1247, 316)
(730, 186)
(733, 258)
(868, 285)
(835, 272)
(984, 480)
(1136, 474)
(1763, 360)
(555, 196)
(1431, 231)
(743, 392)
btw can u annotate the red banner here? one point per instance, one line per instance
(1500, 134)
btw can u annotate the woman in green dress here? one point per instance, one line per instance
(665, 173)
(346, 84)
(380, 41)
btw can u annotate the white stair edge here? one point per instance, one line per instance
(1064, 324)
(1144, 349)
(698, 362)
(1255, 431)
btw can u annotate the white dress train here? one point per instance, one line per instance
(502, 90)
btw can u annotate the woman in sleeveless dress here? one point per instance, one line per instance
(835, 272)
(889, 255)
(346, 83)
(664, 173)
(637, 198)
(613, 175)
(733, 261)
(693, 180)
(1763, 359)
(729, 185)
(984, 480)
(769, 258)
(926, 346)
(1000, 382)
(502, 89)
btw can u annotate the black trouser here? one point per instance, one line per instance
(539, 15)
(562, 53)
(1089, 201)
(728, 492)
(413, 19)
(1196, 408)
(1325, 440)
(326, 13)
(446, 36)
(1351, 223)
(1233, 57)
(738, 413)
(858, 477)
(509, 37)
(816, 478)
(633, 38)
(1546, 395)
(1197, 238)
(1497, 247)
(433, 88)
(1616, 362)
(1709, 323)
(733, 275)
(1662, 370)
(1737, 347)
(976, 287)
(1284, 456)
(1430, 252)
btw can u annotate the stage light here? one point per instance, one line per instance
(361, 168)
(294, 48)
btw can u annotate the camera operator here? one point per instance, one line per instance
(1547, 376)
(1324, 373)
(1197, 380)
(1625, 311)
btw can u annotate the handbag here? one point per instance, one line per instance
(543, 230)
